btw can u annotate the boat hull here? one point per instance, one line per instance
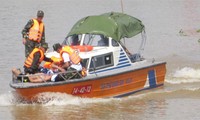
(117, 85)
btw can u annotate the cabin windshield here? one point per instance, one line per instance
(89, 39)
(72, 40)
(96, 40)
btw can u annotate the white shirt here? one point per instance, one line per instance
(65, 57)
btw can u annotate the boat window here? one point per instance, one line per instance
(114, 43)
(96, 40)
(101, 61)
(72, 40)
(87, 39)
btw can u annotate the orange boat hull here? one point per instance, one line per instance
(110, 86)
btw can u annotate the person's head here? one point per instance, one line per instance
(75, 40)
(44, 46)
(102, 36)
(40, 15)
(57, 47)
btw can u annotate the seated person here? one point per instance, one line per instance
(75, 40)
(71, 40)
(103, 41)
(32, 62)
(71, 61)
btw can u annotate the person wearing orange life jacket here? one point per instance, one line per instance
(33, 33)
(70, 60)
(32, 62)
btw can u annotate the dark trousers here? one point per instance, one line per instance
(29, 46)
(30, 70)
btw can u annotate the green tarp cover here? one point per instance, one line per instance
(114, 25)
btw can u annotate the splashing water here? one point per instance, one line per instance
(188, 72)
(185, 75)
(48, 99)
(66, 99)
(7, 99)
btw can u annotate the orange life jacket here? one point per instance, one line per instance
(35, 32)
(73, 55)
(57, 61)
(29, 59)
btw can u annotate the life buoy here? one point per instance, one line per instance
(82, 48)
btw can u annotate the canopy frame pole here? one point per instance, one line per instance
(123, 46)
(142, 45)
(122, 6)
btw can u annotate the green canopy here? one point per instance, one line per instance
(114, 25)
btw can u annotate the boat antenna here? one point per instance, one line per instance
(122, 7)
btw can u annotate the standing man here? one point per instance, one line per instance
(33, 33)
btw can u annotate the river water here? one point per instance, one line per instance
(171, 36)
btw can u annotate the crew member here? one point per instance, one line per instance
(70, 61)
(33, 33)
(32, 63)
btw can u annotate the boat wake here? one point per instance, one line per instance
(184, 75)
(66, 99)
(48, 99)
(167, 94)
(62, 99)
(6, 99)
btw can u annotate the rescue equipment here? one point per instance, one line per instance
(35, 32)
(29, 59)
(82, 48)
(73, 54)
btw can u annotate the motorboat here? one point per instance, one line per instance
(112, 70)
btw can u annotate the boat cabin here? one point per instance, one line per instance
(100, 53)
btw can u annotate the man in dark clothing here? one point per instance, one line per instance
(32, 63)
(33, 33)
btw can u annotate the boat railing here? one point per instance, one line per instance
(74, 73)
(24, 78)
